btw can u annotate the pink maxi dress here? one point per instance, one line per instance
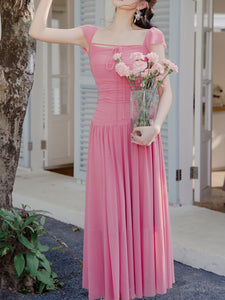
(127, 250)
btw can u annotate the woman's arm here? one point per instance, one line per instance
(165, 93)
(39, 31)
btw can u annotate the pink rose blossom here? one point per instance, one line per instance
(173, 67)
(131, 73)
(157, 67)
(166, 61)
(139, 66)
(165, 80)
(117, 56)
(122, 69)
(145, 73)
(152, 57)
(159, 78)
(137, 56)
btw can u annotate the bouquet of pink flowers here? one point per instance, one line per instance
(146, 75)
(150, 73)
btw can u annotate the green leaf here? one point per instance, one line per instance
(46, 264)
(43, 261)
(51, 286)
(64, 244)
(24, 206)
(54, 275)
(29, 220)
(23, 240)
(19, 263)
(32, 263)
(5, 251)
(12, 226)
(9, 218)
(63, 251)
(7, 214)
(31, 229)
(41, 231)
(42, 220)
(18, 217)
(56, 247)
(41, 288)
(44, 276)
(61, 284)
(36, 223)
(34, 239)
(43, 248)
(24, 291)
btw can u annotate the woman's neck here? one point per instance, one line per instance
(123, 20)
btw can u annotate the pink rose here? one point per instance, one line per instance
(152, 57)
(122, 69)
(169, 65)
(173, 67)
(137, 56)
(145, 73)
(159, 78)
(131, 73)
(117, 56)
(166, 61)
(157, 67)
(139, 66)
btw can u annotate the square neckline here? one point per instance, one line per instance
(111, 46)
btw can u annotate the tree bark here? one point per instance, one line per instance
(17, 62)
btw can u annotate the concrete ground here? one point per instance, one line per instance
(197, 232)
(190, 283)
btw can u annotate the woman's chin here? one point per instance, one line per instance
(125, 3)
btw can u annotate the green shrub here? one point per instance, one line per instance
(20, 247)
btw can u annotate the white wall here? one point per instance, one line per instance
(219, 49)
(218, 118)
(218, 58)
(218, 140)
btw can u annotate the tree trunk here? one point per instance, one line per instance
(17, 61)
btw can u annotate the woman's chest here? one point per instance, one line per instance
(102, 58)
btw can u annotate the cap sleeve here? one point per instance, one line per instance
(88, 31)
(155, 36)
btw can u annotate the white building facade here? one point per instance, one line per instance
(64, 95)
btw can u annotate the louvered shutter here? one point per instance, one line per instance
(86, 94)
(162, 20)
(24, 158)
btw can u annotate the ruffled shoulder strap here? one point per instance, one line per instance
(88, 31)
(154, 36)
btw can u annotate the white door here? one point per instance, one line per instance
(60, 90)
(203, 97)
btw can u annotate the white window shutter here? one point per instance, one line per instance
(86, 94)
(162, 20)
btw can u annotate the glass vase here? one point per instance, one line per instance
(142, 108)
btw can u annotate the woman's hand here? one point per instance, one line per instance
(148, 133)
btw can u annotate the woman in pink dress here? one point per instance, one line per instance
(127, 249)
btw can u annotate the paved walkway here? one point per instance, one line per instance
(197, 232)
(191, 283)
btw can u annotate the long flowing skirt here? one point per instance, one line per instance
(127, 250)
